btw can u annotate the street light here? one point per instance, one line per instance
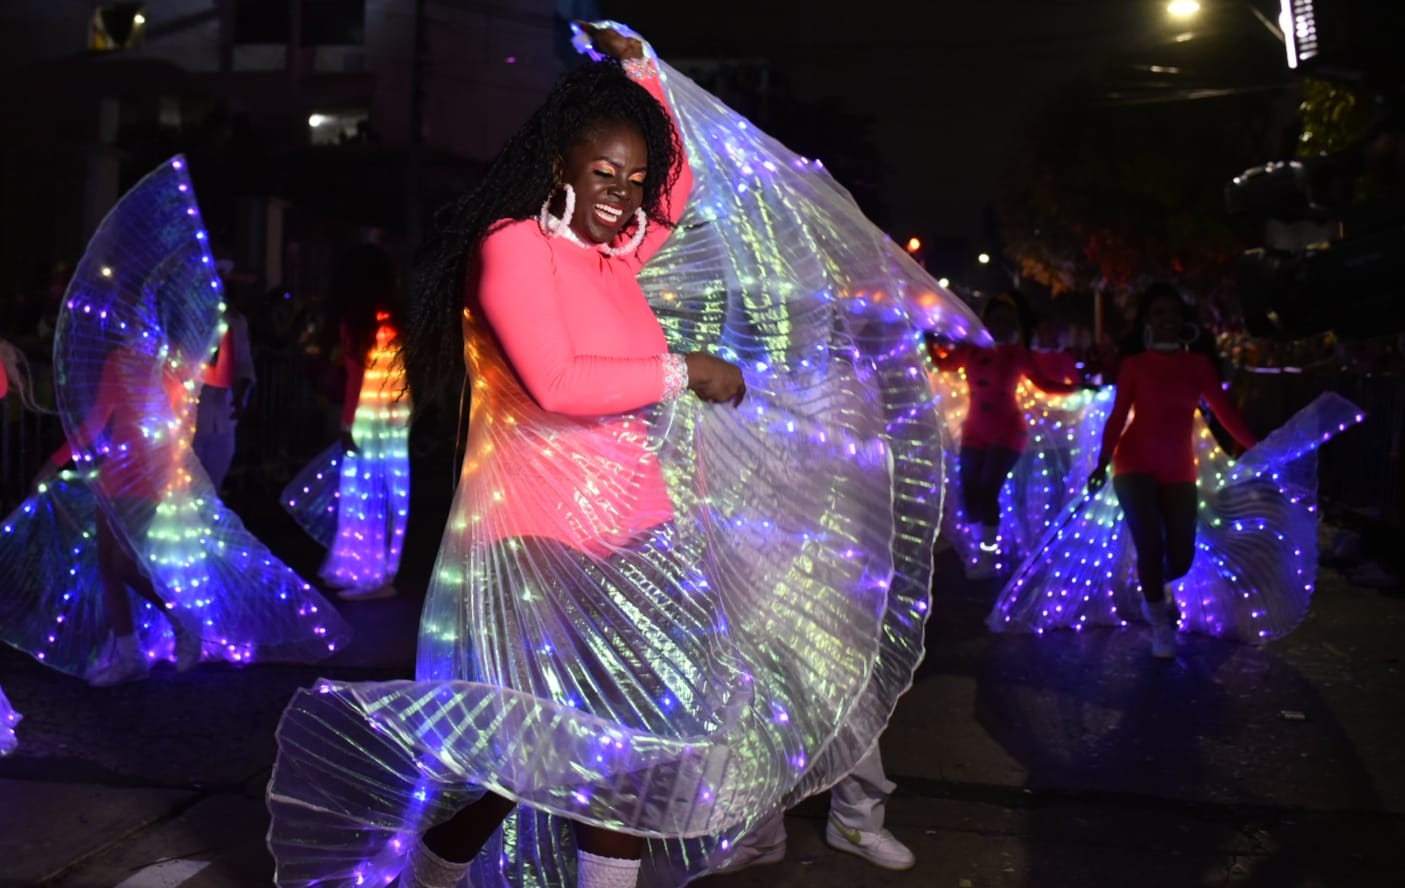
(914, 244)
(1183, 9)
(983, 258)
(945, 283)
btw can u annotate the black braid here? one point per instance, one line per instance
(519, 180)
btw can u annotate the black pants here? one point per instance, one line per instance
(1161, 519)
(983, 471)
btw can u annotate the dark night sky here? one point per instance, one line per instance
(950, 83)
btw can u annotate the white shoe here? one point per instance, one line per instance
(748, 854)
(119, 670)
(1163, 631)
(879, 848)
(188, 647)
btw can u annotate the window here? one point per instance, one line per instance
(338, 127)
(117, 26)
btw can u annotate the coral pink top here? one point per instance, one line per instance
(994, 418)
(1162, 391)
(559, 341)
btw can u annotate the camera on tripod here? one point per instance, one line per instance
(1334, 245)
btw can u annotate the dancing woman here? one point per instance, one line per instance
(135, 331)
(995, 432)
(1153, 457)
(1192, 539)
(355, 498)
(659, 624)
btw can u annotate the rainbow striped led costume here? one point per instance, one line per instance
(1256, 544)
(140, 320)
(684, 681)
(356, 503)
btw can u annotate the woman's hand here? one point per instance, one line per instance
(612, 43)
(1098, 478)
(714, 380)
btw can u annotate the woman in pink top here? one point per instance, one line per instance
(995, 431)
(532, 280)
(1153, 457)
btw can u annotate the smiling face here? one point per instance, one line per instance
(607, 168)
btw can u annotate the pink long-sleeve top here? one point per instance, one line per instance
(1161, 391)
(560, 342)
(994, 418)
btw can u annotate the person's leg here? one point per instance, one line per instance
(126, 662)
(857, 805)
(1140, 498)
(999, 461)
(441, 857)
(972, 463)
(763, 844)
(1180, 504)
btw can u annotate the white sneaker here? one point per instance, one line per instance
(119, 670)
(749, 854)
(879, 848)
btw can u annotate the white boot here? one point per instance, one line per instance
(425, 869)
(594, 871)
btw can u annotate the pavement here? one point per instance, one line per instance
(1069, 760)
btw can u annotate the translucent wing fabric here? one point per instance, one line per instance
(1065, 432)
(8, 720)
(1256, 547)
(749, 597)
(139, 321)
(357, 503)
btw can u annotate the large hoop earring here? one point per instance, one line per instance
(640, 217)
(553, 227)
(1194, 333)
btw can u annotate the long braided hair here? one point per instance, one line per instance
(590, 98)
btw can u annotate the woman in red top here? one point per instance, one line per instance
(995, 431)
(1153, 456)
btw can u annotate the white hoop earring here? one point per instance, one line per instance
(1194, 331)
(551, 226)
(642, 219)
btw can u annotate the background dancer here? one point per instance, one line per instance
(1234, 540)
(995, 432)
(1154, 456)
(135, 331)
(355, 498)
